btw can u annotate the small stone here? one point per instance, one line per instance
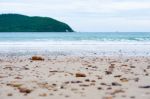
(43, 94)
(115, 84)
(93, 81)
(76, 81)
(132, 66)
(108, 72)
(124, 80)
(117, 91)
(117, 76)
(83, 85)
(9, 94)
(103, 83)
(99, 88)
(37, 58)
(18, 78)
(144, 86)
(80, 75)
(25, 90)
(108, 97)
(132, 97)
(87, 80)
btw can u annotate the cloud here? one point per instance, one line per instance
(87, 15)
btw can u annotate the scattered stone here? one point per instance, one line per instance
(9, 94)
(80, 75)
(76, 81)
(109, 88)
(148, 67)
(136, 79)
(108, 97)
(115, 84)
(18, 78)
(37, 58)
(84, 85)
(43, 94)
(117, 91)
(93, 80)
(124, 80)
(24, 90)
(144, 86)
(132, 66)
(132, 97)
(108, 72)
(103, 84)
(14, 85)
(87, 80)
(117, 76)
(99, 88)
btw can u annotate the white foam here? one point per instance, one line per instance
(77, 47)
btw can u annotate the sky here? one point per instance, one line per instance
(87, 15)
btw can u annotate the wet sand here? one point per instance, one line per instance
(74, 77)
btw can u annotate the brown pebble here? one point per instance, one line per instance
(115, 84)
(118, 76)
(124, 80)
(83, 85)
(93, 81)
(80, 75)
(76, 81)
(108, 97)
(9, 94)
(37, 58)
(108, 72)
(24, 90)
(43, 94)
(87, 80)
(117, 91)
(99, 88)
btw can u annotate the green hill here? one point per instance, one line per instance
(22, 23)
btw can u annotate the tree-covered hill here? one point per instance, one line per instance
(22, 23)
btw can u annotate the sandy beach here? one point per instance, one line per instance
(74, 77)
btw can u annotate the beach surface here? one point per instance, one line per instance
(74, 77)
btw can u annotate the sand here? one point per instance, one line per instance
(75, 77)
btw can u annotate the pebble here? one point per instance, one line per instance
(80, 75)
(115, 84)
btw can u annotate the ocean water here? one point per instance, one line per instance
(108, 43)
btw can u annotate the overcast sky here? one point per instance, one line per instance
(87, 15)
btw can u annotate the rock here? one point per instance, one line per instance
(99, 88)
(148, 86)
(80, 75)
(93, 80)
(37, 58)
(24, 90)
(14, 85)
(9, 94)
(43, 94)
(132, 66)
(103, 84)
(115, 84)
(117, 76)
(84, 85)
(124, 80)
(108, 97)
(117, 91)
(87, 80)
(76, 81)
(136, 79)
(108, 72)
(148, 67)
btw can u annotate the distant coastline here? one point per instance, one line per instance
(23, 23)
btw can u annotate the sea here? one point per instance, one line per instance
(75, 43)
